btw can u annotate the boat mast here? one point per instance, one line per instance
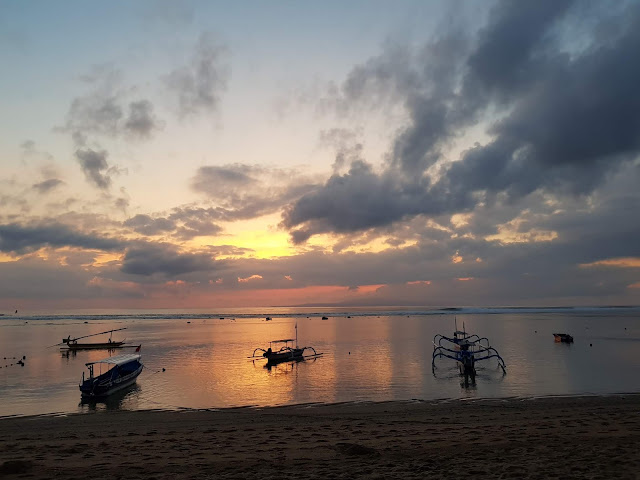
(296, 334)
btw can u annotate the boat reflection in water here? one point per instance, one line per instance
(115, 401)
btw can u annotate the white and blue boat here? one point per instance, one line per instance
(110, 375)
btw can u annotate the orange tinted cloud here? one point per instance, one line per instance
(625, 262)
(248, 279)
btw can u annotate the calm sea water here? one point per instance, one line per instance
(369, 355)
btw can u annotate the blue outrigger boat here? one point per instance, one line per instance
(466, 349)
(121, 371)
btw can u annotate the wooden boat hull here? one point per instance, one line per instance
(277, 357)
(93, 346)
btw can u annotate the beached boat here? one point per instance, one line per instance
(563, 337)
(73, 344)
(467, 350)
(120, 372)
(285, 353)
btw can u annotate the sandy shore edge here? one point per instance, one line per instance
(542, 437)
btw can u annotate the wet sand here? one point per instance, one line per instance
(577, 437)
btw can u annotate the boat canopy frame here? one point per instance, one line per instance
(118, 359)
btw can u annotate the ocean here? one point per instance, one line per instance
(199, 359)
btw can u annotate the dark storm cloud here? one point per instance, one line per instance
(199, 84)
(508, 55)
(146, 260)
(20, 239)
(47, 185)
(567, 118)
(95, 167)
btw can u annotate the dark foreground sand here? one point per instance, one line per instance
(587, 437)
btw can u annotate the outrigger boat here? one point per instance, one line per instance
(73, 344)
(121, 371)
(466, 349)
(286, 353)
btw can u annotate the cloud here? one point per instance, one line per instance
(107, 110)
(95, 167)
(47, 185)
(559, 119)
(183, 223)
(141, 121)
(164, 259)
(147, 225)
(247, 191)
(15, 238)
(199, 85)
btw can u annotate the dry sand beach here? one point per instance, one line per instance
(566, 437)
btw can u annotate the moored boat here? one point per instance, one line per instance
(563, 337)
(73, 344)
(120, 372)
(286, 353)
(467, 350)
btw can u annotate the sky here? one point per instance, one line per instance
(203, 154)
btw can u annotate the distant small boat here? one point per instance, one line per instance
(268, 319)
(563, 337)
(122, 371)
(325, 318)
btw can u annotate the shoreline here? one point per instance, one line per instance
(442, 400)
(593, 436)
(436, 401)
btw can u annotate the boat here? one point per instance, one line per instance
(467, 350)
(563, 337)
(121, 371)
(287, 351)
(73, 344)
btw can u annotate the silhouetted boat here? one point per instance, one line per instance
(73, 344)
(121, 371)
(563, 337)
(286, 352)
(466, 349)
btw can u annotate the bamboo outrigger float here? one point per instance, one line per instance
(466, 349)
(286, 353)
